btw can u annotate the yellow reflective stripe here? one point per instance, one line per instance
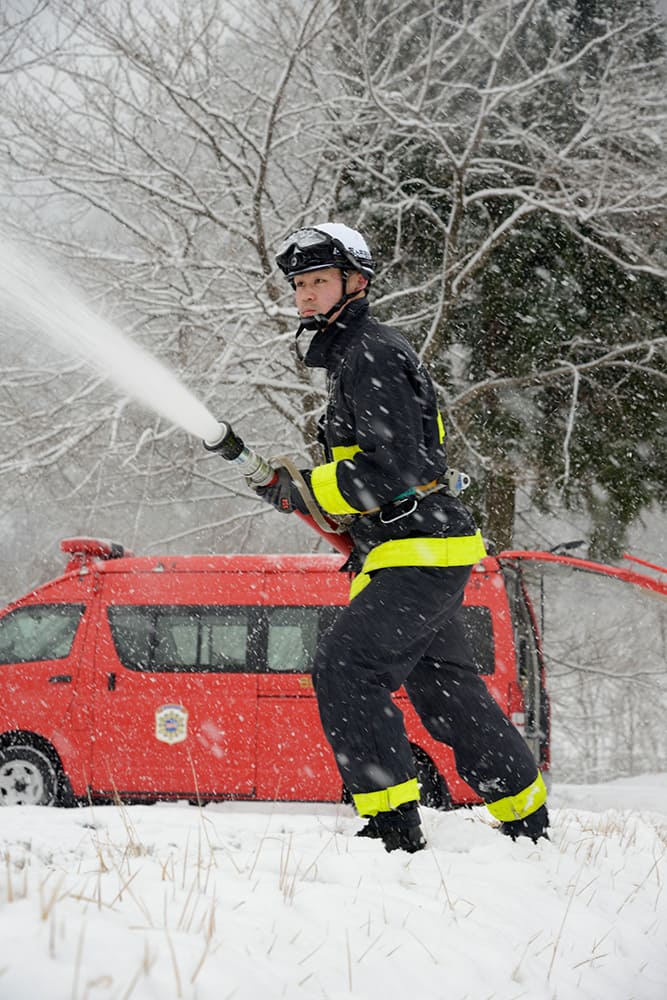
(519, 806)
(360, 581)
(324, 484)
(372, 803)
(460, 550)
(345, 451)
(441, 428)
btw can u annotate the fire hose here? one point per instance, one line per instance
(260, 472)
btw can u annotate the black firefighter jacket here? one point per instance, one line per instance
(384, 443)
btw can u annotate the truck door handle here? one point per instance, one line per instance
(111, 682)
(60, 679)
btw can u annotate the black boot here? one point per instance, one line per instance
(398, 829)
(370, 830)
(411, 839)
(534, 826)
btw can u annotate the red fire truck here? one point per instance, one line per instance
(144, 678)
(188, 677)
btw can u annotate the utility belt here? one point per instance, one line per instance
(453, 483)
(405, 504)
(457, 550)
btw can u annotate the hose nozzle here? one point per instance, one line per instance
(255, 468)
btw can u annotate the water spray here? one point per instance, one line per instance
(38, 297)
(35, 296)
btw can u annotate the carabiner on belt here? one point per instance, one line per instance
(398, 509)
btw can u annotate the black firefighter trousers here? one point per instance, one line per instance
(403, 628)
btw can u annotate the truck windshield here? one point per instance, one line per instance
(38, 632)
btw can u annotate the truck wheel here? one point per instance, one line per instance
(28, 777)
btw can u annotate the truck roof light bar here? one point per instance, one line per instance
(93, 548)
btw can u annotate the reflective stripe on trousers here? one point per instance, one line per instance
(514, 807)
(463, 550)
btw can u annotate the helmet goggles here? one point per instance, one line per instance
(313, 250)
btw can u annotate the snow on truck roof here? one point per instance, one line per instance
(114, 557)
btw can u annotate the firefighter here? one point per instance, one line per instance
(414, 545)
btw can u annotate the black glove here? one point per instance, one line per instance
(283, 493)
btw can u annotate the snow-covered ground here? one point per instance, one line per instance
(251, 901)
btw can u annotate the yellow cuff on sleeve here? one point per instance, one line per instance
(324, 485)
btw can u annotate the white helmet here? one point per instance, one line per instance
(331, 244)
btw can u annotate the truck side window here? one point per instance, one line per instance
(39, 632)
(478, 630)
(211, 638)
(292, 638)
(187, 639)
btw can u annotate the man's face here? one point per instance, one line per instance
(317, 291)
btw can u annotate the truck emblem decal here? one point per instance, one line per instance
(171, 723)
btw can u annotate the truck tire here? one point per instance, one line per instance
(28, 776)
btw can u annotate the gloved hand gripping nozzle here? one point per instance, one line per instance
(259, 473)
